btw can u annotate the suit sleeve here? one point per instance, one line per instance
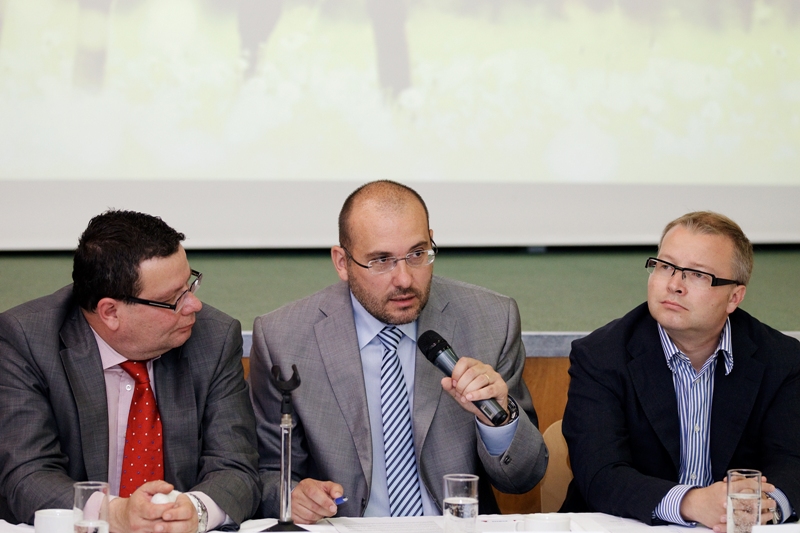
(523, 464)
(267, 405)
(33, 467)
(228, 462)
(595, 428)
(780, 436)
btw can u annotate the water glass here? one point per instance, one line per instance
(744, 500)
(91, 507)
(460, 503)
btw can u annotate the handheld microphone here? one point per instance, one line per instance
(439, 352)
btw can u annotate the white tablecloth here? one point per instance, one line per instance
(581, 523)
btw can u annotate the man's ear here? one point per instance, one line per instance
(108, 310)
(736, 298)
(339, 258)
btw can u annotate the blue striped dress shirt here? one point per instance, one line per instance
(694, 391)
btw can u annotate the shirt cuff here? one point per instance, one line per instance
(783, 501)
(216, 516)
(669, 510)
(497, 439)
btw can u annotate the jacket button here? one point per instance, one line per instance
(507, 459)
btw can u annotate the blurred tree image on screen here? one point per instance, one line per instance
(520, 91)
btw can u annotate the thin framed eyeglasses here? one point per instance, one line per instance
(664, 269)
(382, 265)
(178, 305)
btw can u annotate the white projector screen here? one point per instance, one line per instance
(245, 123)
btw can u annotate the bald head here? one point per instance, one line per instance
(382, 195)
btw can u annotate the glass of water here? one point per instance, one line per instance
(460, 503)
(91, 507)
(744, 500)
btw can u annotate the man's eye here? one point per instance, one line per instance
(381, 260)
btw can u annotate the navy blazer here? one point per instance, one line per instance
(621, 421)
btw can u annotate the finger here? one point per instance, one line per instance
(480, 379)
(153, 487)
(142, 508)
(303, 514)
(448, 384)
(182, 509)
(183, 526)
(462, 366)
(476, 376)
(334, 490)
(313, 502)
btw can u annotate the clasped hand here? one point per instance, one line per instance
(708, 505)
(137, 514)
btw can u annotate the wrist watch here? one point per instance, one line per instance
(513, 411)
(776, 514)
(202, 513)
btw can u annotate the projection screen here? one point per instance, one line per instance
(245, 123)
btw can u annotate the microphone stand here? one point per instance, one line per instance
(286, 387)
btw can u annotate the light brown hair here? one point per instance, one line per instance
(710, 223)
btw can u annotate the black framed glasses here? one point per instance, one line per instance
(382, 265)
(664, 269)
(178, 305)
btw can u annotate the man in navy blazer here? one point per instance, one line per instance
(65, 399)
(665, 400)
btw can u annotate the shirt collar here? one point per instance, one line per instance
(367, 326)
(109, 356)
(671, 351)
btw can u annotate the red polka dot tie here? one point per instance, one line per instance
(143, 460)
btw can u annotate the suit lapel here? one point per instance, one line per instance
(734, 397)
(84, 369)
(174, 390)
(338, 348)
(655, 390)
(428, 380)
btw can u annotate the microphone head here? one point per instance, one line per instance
(431, 344)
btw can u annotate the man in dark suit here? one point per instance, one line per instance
(664, 401)
(77, 366)
(335, 337)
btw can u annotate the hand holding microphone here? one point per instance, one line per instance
(472, 378)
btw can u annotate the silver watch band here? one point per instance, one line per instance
(202, 513)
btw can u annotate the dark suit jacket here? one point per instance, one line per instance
(54, 420)
(332, 439)
(622, 427)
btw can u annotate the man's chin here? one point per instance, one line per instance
(400, 317)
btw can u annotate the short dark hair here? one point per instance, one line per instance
(114, 244)
(391, 192)
(710, 223)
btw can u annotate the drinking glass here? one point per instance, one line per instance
(460, 503)
(744, 500)
(91, 507)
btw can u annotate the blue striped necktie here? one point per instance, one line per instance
(405, 498)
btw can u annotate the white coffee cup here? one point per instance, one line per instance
(545, 522)
(53, 521)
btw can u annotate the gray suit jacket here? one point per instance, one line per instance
(331, 437)
(53, 410)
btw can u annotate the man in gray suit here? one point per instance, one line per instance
(337, 339)
(66, 395)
